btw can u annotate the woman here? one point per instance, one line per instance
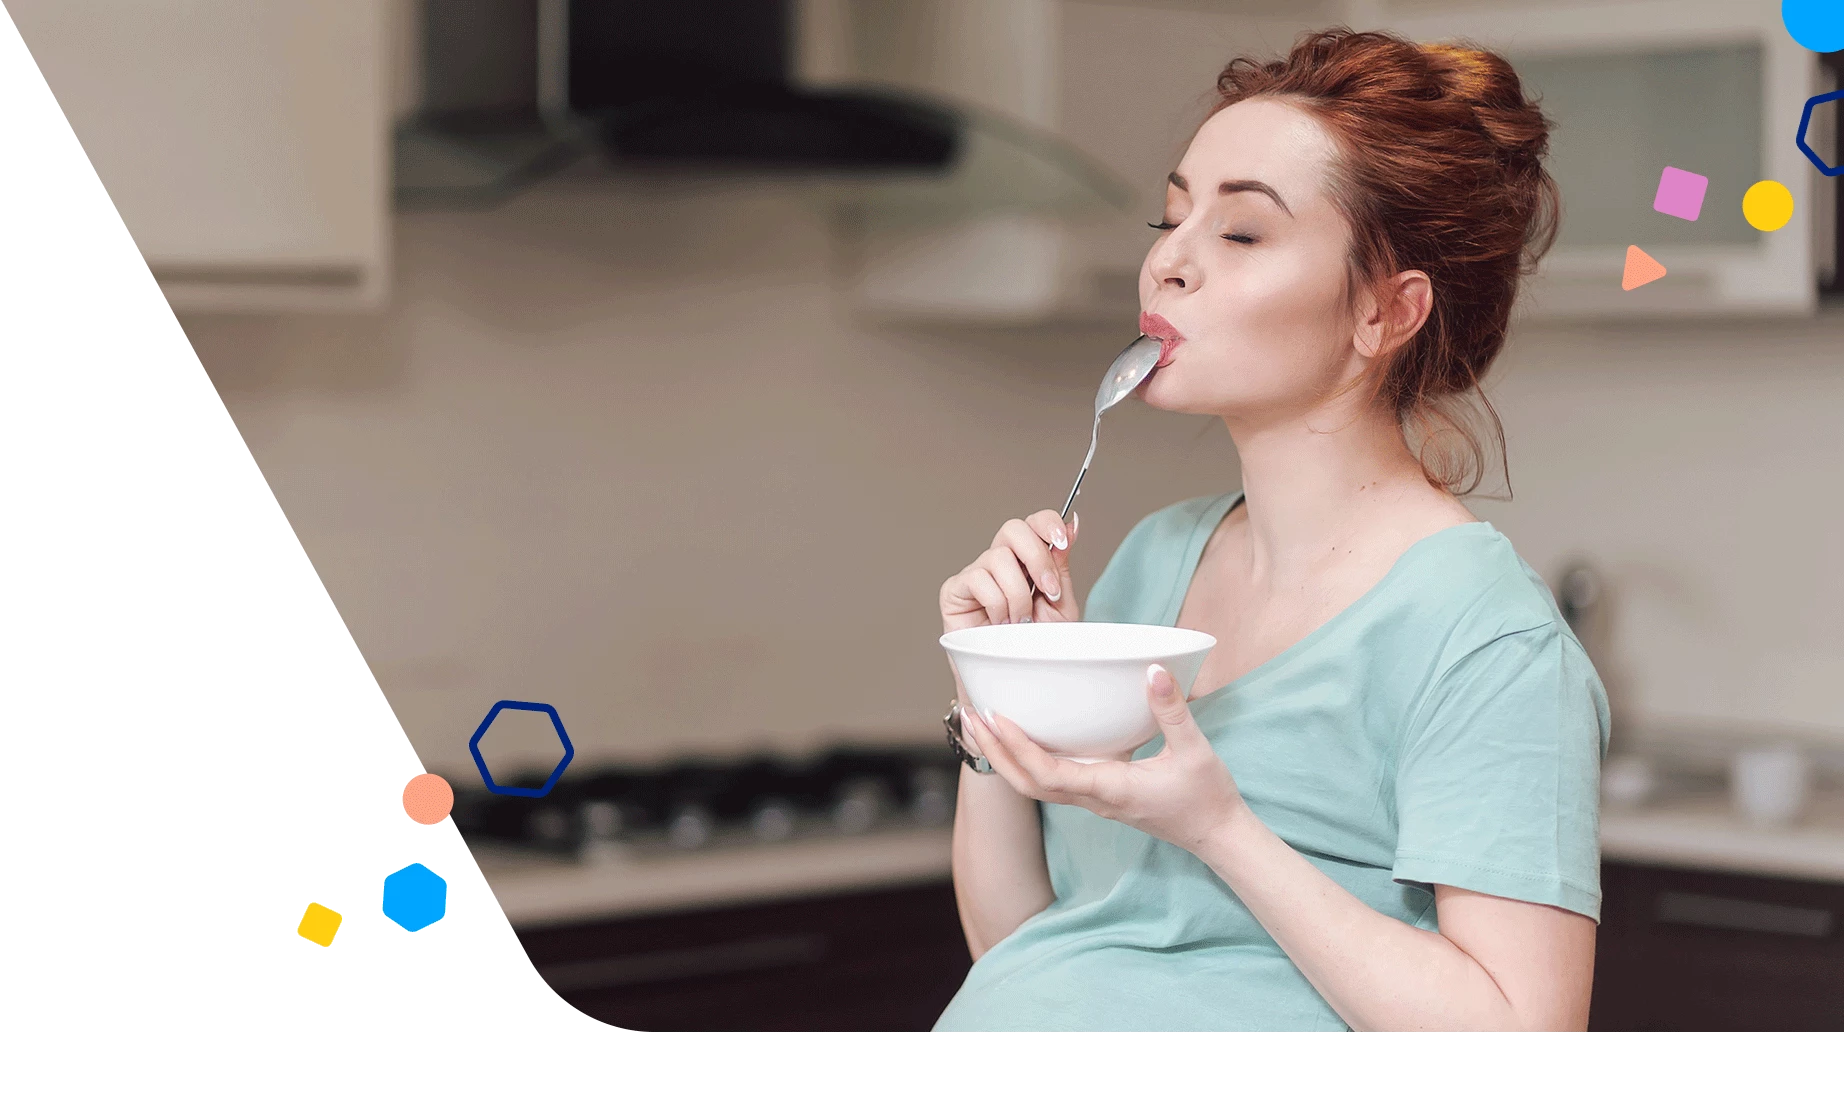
(1379, 808)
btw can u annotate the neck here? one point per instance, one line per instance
(1314, 483)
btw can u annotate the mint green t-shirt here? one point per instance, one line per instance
(1444, 728)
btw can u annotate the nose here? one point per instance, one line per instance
(1172, 263)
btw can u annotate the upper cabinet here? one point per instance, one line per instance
(244, 142)
(1715, 87)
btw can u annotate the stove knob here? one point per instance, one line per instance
(691, 827)
(549, 826)
(773, 820)
(858, 806)
(601, 819)
(931, 800)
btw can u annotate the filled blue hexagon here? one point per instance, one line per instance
(486, 774)
(414, 897)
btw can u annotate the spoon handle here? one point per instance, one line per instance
(1071, 500)
(1093, 434)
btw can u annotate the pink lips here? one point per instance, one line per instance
(1160, 329)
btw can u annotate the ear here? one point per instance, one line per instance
(1392, 313)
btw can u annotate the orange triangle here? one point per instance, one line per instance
(1640, 269)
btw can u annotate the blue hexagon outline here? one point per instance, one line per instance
(473, 746)
(1805, 121)
(414, 873)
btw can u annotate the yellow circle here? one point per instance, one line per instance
(1767, 205)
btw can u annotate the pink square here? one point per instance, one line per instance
(1680, 193)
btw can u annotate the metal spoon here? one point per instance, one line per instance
(1128, 370)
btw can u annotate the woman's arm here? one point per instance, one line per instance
(1496, 963)
(1000, 877)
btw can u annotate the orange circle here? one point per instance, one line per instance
(428, 798)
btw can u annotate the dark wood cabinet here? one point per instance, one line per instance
(882, 960)
(1678, 950)
(1682, 950)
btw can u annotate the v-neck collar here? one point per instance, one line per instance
(1206, 527)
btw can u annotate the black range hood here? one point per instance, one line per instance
(518, 89)
(711, 82)
(775, 126)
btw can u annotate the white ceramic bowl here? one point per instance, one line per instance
(1076, 688)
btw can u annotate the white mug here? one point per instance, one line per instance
(1770, 785)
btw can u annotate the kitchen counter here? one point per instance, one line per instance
(1702, 831)
(1695, 831)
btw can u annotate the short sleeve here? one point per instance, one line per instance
(1498, 781)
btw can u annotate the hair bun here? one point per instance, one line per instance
(1491, 88)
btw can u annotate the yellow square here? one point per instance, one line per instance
(319, 924)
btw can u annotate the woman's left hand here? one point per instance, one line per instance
(1184, 795)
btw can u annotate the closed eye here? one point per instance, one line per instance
(1233, 237)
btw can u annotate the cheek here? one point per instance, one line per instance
(1290, 311)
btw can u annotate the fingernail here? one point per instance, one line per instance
(1075, 523)
(987, 715)
(1160, 679)
(965, 720)
(1062, 539)
(1053, 592)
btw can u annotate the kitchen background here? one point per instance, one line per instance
(687, 452)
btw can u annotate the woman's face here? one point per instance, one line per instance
(1247, 283)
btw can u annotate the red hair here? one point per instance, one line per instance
(1439, 170)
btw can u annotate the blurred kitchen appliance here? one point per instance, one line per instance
(1585, 599)
(1581, 596)
(910, 97)
(615, 811)
(928, 130)
(714, 82)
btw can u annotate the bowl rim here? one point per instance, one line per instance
(1133, 657)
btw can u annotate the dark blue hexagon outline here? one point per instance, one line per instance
(1805, 120)
(473, 746)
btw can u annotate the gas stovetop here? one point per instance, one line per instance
(621, 811)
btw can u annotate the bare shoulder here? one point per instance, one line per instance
(1397, 522)
(1425, 513)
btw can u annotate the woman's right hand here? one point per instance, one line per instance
(996, 589)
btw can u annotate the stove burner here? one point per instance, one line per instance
(614, 811)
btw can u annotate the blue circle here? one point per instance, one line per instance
(1817, 25)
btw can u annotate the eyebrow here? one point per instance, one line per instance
(1240, 185)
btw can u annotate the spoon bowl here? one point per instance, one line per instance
(1125, 374)
(1128, 370)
